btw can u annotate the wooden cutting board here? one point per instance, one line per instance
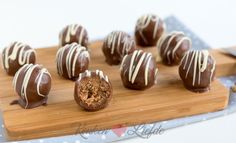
(62, 116)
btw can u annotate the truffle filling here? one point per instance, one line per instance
(94, 91)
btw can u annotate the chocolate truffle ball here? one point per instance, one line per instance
(32, 83)
(93, 90)
(149, 28)
(72, 59)
(73, 33)
(197, 70)
(16, 55)
(138, 70)
(172, 47)
(116, 45)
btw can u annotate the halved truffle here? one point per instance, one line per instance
(138, 70)
(197, 70)
(32, 84)
(73, 33)
(93, 90)
(16, 55)
(72, 59)
(172, 47)
(149, 28)
(116, 45)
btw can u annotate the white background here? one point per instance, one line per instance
(39, 22)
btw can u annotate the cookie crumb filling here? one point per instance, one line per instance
(94, 91)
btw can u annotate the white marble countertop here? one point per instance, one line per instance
(38, 23)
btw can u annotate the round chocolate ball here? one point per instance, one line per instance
(32, 83)
(16, 55)
(93, 90)
(72, 59)
(197, 70)
(149, 28)
(138, 70)
(116, 45)
(172, 47)
(73, 33)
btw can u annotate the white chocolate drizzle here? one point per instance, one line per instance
(19, 53)
(156, 72)
(71, 30)
(75, 51)
(29, 68)
(144, 21)
(116, 37)
(169, 51)
(137, 59)
(88, 73)
(199, 60)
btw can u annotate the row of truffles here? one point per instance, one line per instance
(32, 82)
(148, 30)
(93, 89)
(115, 47)
(196, 69)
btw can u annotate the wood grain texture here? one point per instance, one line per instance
(62, 116)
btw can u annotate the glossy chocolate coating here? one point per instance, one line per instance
(32, 83)
(73, 33)
(116, 45)
(149, 28)
(172, 47)
(93, 90)
(72, 59)
(16, 55)
(138, 70)
(197, 70)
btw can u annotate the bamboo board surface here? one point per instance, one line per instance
(62, 116)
